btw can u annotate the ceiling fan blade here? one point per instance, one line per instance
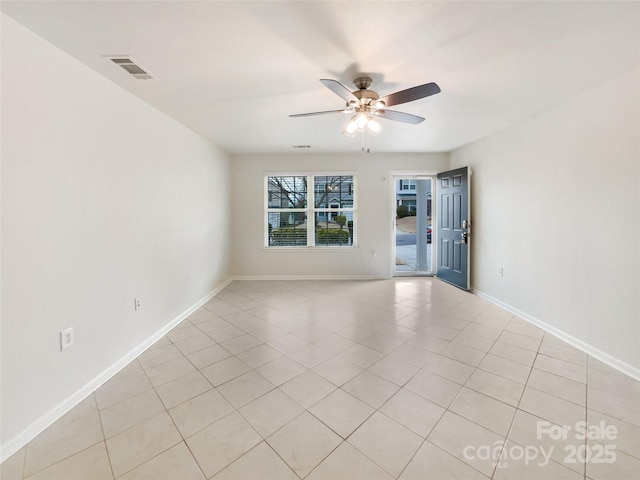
(399, 116)
(410, 94)
(340, 90)
(312, 114)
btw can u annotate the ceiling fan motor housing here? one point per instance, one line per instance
(363, 93)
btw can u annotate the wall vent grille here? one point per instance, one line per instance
(131, 67)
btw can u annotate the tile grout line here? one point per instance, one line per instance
(62, 459)
(426, 439)
(513, 420)
(104, 437)
(213, 387)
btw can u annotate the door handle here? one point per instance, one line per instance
(464, 236)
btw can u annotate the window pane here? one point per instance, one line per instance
(333, 191)
(334, 228)
(411, 204)
(287, 229)
(287, 192)
(407, 184)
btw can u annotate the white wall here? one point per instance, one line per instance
(373, 215)
(556, 203)
(104, 199)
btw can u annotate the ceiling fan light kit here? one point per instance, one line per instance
(362, 122)
(366, 104)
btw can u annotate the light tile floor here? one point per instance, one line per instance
(407, 378)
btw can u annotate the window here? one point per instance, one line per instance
(411, 204)
(407, 184)
(299, 216)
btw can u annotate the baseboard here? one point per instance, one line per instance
(308, 277)
(35, 428)
(596, 353)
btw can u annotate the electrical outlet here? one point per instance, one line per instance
(66, 338)
(500, 271)
(137, 304)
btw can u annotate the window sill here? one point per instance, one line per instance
(311, 249)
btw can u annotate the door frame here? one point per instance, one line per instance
(396, 175)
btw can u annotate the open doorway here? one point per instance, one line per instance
(412, 227)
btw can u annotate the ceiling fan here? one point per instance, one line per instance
(366, 104)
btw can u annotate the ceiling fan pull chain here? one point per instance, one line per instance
(364, 144)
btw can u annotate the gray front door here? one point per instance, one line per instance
(453, 227)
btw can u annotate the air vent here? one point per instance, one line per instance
(131, 67)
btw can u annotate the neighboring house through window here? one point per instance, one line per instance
(406, 195)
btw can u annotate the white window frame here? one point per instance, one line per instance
(310, 210)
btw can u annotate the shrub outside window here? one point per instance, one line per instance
(320, 216)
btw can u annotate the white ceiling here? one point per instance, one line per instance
(233, 70)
